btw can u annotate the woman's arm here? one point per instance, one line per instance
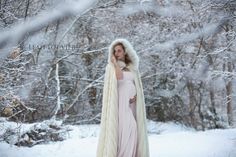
(119, 73)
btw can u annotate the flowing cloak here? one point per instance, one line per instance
(108, 137)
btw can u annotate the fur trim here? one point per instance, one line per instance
(128, 49)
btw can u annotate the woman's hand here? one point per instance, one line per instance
(113, 59)
(132, 100)
(119, 73)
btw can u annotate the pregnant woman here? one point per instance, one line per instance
(123, 130)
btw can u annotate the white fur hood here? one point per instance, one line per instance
(128, 49)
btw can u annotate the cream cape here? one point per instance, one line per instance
(108, 138)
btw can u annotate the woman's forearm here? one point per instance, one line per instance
(119, 73)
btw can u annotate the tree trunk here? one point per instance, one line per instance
(229, 97)
(191, 103)
(213, 107)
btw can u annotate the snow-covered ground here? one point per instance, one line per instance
(165, 140)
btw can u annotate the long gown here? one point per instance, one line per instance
(127, 135)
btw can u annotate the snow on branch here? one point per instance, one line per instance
(149, 6)
(16, 33)
(204, 32)
(85, 89)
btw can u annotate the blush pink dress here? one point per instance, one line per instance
(127, 134)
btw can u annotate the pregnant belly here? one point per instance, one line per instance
(127, 87)
(132, 90)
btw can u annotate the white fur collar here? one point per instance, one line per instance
(128, 49)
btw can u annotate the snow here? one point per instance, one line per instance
(165, 140)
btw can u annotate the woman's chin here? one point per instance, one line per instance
(120, 59)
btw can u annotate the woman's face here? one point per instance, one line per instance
(119, 52)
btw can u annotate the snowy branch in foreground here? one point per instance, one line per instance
(15, 34)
